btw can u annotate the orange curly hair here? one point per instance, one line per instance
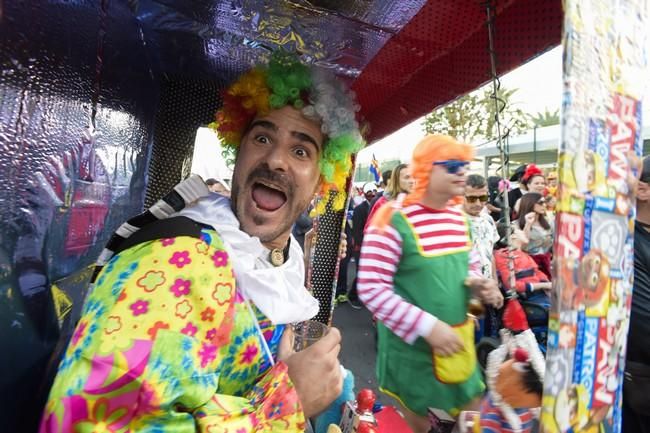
(430, 149)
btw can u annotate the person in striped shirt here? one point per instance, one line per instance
(416, 275)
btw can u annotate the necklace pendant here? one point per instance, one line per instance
(277, 257)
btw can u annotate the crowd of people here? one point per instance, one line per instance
(532, 198)
(188, 326)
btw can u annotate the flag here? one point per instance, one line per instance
(374, 169)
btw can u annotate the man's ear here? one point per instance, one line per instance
(318, 184)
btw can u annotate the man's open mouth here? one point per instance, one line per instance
(268, 197)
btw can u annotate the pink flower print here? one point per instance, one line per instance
(220, 258)
(189, 329)
(139, 307)
(207, 315)
(249, 354)
(222, 293)
(151, 280)
(79, 332)
(153, 331)
(167, 242)
(183, 309)
(211, 334)
(208, 353)
(180, 287)
(180, 259)
(149, 401)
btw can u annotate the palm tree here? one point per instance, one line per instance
(472, 116)
(546, 118)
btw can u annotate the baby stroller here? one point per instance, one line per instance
(536, 305)
(487, 333)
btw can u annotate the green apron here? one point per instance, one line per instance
(434, 283)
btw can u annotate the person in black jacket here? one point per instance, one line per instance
(385, 178)
(636, 403)
(359, 219)
(516, 193)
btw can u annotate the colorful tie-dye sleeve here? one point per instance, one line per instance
(146, 354)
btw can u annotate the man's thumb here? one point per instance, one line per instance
(285, 349)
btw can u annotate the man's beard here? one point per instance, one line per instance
(293, 210)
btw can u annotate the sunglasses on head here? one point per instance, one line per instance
(541, 201)
(473, 198)
(453, 166)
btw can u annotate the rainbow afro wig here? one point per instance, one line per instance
(317, 93)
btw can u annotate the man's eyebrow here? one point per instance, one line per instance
(302, 136)
(307, 138)
(264, 124)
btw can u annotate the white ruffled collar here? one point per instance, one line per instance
(279, 292)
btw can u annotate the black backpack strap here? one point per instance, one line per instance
(183, 194)
(158, 229)
(161, 229)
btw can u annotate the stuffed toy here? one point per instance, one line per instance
(332, 414)
(514, 376)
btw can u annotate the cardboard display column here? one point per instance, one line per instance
(604, 74)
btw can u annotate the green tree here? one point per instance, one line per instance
(460, 118)
(547, 118)
(511, 117)
(472, 116)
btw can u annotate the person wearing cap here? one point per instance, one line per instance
(359, 219)
(219, 186)
(417, 274)
(636, 388)
(188, 333)
(516, 193)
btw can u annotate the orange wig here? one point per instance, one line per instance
(431, 149)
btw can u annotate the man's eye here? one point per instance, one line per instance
(301, 152)
(262, 139)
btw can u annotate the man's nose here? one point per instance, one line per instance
(278, 157)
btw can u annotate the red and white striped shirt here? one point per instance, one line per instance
(438, 232)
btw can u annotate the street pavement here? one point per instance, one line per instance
(358, 351)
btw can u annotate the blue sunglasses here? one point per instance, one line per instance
(453, 166)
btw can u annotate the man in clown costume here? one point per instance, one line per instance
(414, 277)
(186, 332)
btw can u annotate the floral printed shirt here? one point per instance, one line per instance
(167, 344)
(484, 236)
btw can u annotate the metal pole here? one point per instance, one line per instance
(535, 144)
(490, 10)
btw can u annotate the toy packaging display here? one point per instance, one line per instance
(605, 56)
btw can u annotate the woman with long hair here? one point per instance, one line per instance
(400, 182)
(539, 231)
